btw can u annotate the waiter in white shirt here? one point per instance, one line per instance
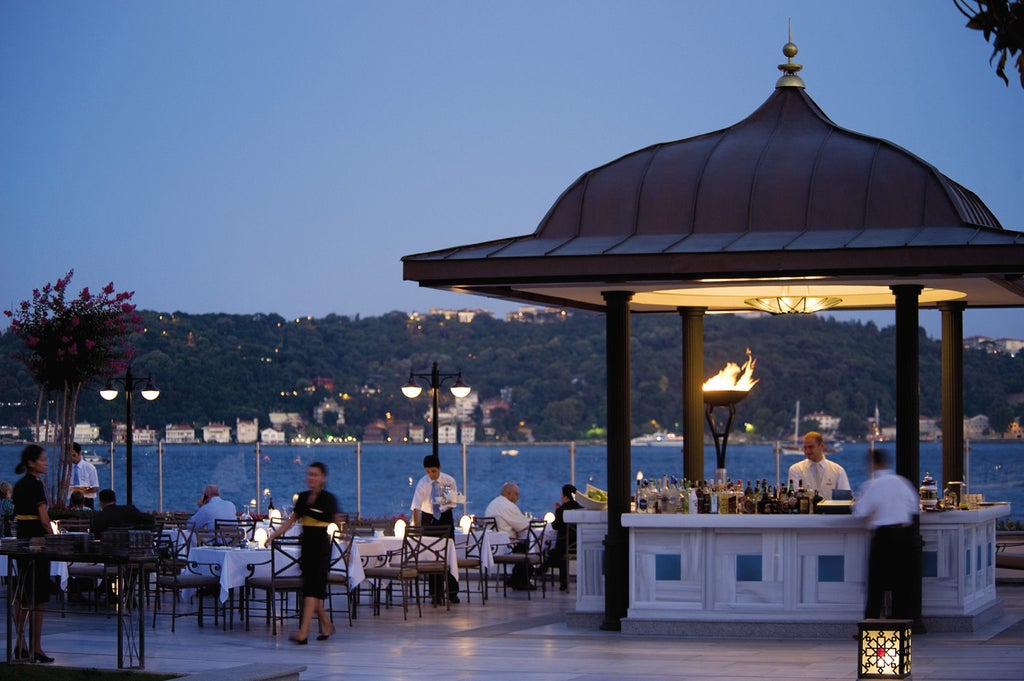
(83, 476)
(889, 504)
(432, 504)
(817, 472)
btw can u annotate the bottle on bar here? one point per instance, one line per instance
(802, 500)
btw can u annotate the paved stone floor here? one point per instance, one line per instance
(516, 639)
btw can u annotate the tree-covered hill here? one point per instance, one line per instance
(219, 367)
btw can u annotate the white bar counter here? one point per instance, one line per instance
(768, 570)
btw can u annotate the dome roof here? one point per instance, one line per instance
(786, 169)
(712, 221)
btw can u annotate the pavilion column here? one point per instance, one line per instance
(908, 419)
(693, 397)
(616, 543)
(908, 383)
(952, 391)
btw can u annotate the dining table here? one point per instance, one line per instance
(366, 549)
(232, 565)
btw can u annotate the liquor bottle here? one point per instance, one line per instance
(803, 501)
(764, 502)
(270, 505)
(750, 498)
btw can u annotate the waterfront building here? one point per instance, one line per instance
(271, 436)
(86, 433)
(217, 432)
(247, 431)
(179, 434)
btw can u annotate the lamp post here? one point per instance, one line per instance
(150, 393)
(437, 380)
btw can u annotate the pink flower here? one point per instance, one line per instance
(73, 349)
(32, 341)
(108, 289)
(75, 320)
(90, 344)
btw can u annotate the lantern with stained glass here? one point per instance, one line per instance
(884, 649)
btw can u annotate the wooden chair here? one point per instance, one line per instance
(174, 574)
(285, 578)
(395, 566)
(474, 560)
(531, 558)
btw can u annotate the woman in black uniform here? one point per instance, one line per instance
(315, 509)
(30, 510)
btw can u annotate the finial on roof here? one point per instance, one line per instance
(789, 69)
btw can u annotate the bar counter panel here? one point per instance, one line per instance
(776, 568)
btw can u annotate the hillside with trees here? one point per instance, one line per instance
(219, 367)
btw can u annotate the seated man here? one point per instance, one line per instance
(211, 509)
(112, 514)
(511, 520)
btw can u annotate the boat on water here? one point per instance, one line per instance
(658, 439)
(510, 452)
(796, 448)
(96, 459)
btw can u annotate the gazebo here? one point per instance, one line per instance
(784, 211)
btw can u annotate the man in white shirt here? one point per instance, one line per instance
(83, 476)
(511, 520)
(211, 509)
(432, 504)
(817, 472)
(505, 512)
(888, 504)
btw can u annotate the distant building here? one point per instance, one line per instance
(329, 406)
(44, 432)
(9, 433)
(179, 434)
(323, 383)
(417, 434)
(142, 436)
(976, 426)
(270, 436)
(447, 434)
(86, 433)
(397, 431)
(217, 433)
(533, 315)
(279, 419)
(1014, 431)
(1009, 346)
(468, 433)
(826, 423)
(247, 431)
(375, 432)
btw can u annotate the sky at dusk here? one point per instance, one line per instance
(281, 157)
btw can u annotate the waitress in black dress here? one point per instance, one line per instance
(30, 510)
(315, 509)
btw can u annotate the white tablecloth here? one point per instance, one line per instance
(379, 546)
(493, 542)
(233, 565)
(57, 569)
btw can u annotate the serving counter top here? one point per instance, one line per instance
(761, 571)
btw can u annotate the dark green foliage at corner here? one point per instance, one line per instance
(218, 367)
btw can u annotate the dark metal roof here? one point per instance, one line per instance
(783, 193)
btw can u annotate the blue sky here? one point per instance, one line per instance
(281, 157)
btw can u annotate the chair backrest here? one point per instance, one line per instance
(475, 541)
(245, 527)
(359, 531)
(427, 546)
(535, 537)
(284, 556)
(204, 536)
(74, 525)
(490, 522)
(341, 551)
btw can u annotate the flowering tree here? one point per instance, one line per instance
(68, 343)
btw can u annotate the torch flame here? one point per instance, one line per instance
(733, 377)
